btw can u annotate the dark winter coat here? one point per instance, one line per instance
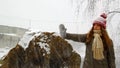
(89, 61)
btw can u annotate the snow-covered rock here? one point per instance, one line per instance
(42, 49)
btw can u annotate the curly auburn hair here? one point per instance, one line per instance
(105, 36)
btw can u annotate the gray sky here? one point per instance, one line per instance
(21, 12)
(40, 14)
(34, 13)
(50, 10)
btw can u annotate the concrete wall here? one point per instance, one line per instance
(8, 40)
(9, 36)
(12, 30)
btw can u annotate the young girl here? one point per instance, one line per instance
(99, 47)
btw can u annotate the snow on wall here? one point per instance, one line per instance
(9, 36)
(12, 30)
(8, 40)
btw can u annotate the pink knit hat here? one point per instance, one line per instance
(101, 20)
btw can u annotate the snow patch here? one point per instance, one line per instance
(4, 52)
(10, 34)
(27, 37)
(31, 35)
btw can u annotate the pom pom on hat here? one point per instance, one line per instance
(101, 20)
(103, 15)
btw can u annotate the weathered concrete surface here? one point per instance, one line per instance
(9, 36)
(8, 40)
(12, 30)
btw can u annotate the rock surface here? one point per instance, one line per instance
(44, 50)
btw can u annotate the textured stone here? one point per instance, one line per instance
(38, 55)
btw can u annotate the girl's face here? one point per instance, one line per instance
(97, 27)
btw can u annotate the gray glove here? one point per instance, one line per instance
(62, 30)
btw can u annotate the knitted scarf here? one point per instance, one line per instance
(97, 46)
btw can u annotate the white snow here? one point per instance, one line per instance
(10, 34)
(75, 23)
(27, 37)
(31, 35)
(3, 52)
